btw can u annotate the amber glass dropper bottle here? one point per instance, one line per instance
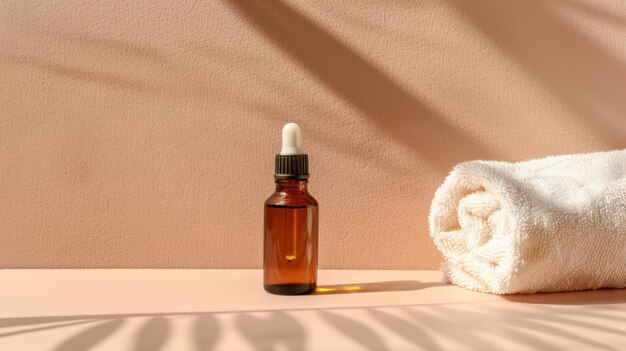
(291, 216)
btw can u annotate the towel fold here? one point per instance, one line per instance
(554, 224)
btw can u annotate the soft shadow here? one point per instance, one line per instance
(462, 333)
(206, 331)
(377, 96)
(595, 9)
(267, 333)
(557, 319)
(152, 335)
(90, 337)
(19, 321)
(355, 330)
(580, 72)
(533, 322)
(405, 329)
(90, 75)
(93, 71)
(475, 329)
(55, 326)
(473, 326)
(589, 297)
(397, 285)
(126, 48)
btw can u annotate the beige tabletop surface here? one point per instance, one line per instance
(168, 309)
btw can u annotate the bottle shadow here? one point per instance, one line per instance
(396, 285)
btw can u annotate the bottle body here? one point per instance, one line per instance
(290, 239)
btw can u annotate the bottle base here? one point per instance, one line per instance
(290, 289)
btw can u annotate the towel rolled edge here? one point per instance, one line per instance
(465, 178)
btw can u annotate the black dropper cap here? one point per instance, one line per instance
(291, 162)
(291, 166)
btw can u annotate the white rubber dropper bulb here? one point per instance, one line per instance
(292, 140)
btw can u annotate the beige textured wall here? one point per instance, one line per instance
(142, 133)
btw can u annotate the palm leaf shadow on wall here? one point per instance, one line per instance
(359, 82)
(91, 70)
(580, 72)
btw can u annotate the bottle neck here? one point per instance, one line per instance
(291, 185)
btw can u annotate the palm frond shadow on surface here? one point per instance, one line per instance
(535, 322)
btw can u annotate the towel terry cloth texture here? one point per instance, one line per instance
(553, 224)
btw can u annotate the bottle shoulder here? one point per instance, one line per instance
(291, 200)
(313, 200)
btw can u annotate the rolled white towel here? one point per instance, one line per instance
(554, 224)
